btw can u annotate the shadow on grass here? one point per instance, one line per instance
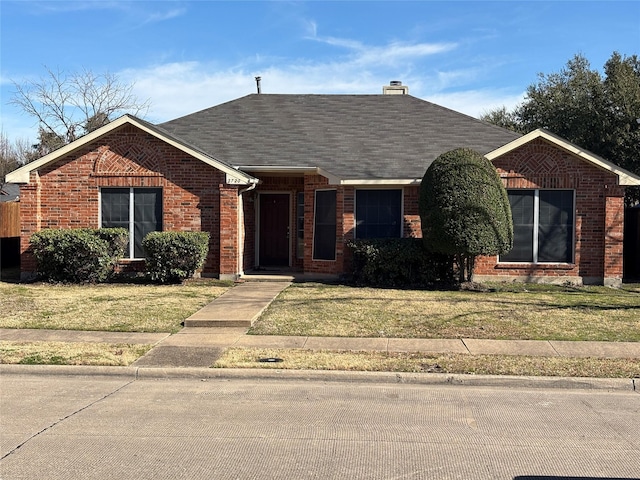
(10, 275)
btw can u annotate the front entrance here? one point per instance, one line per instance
(274, 230)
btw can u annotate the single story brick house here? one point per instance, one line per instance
(285, 181)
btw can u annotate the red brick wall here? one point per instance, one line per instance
(411, 212)
(65, 194)
(599, 212)
(345, 227)
(229, 239)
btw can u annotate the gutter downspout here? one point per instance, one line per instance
(248, 189)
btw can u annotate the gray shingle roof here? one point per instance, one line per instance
(351, 136)
(9, 192)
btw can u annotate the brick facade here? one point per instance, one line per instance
(65, 194)
(599, 215)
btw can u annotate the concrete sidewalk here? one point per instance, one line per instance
(200, 343)
(239, 306)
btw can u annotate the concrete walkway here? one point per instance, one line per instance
(200, 343)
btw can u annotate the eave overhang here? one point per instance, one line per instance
(233, 175)
(625, 178)
(333, 179)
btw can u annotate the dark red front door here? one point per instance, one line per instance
(274, 229)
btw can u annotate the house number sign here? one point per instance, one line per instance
(234, 181)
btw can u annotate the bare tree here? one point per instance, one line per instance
(8, 157)
(69, 106)
(24, 151)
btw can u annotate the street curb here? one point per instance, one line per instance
(151, 373)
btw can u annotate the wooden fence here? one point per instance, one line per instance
(9, 219)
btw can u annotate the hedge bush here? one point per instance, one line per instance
(400, 263)
(174, 256)
(79, 255)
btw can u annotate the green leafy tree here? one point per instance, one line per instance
(464, 209)
(598, 112)
(504, 118)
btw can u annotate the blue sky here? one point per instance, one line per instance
(184, 56)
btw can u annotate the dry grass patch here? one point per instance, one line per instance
(507, 311)
(107, 307)
(300, 359)
(63, 353)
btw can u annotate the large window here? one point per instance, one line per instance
(378, 213)
(139, 210)
(324, 226)
(543, 226)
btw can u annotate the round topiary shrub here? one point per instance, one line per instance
(464, 209)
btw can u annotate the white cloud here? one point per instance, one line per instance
(139, 13)
(390, 54)
(155, 17)
(178, 89)
(399, 53)
(476, 102)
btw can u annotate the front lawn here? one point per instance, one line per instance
(507, 311)
(109, 307)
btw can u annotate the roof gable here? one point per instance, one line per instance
(625, 178)
(21, 175)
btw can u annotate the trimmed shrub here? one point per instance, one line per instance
(174, 256)
(400, 263)
(79, 255)
(464, 209)
(117, 240)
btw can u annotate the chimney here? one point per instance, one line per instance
(395, 88)
(258, 84)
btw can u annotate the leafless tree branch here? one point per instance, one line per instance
(69, 106)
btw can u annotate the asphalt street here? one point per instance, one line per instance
(100, 427)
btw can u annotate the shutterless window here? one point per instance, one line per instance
(378, 213)
(324, 226)
(543, 226)
(138, 210)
